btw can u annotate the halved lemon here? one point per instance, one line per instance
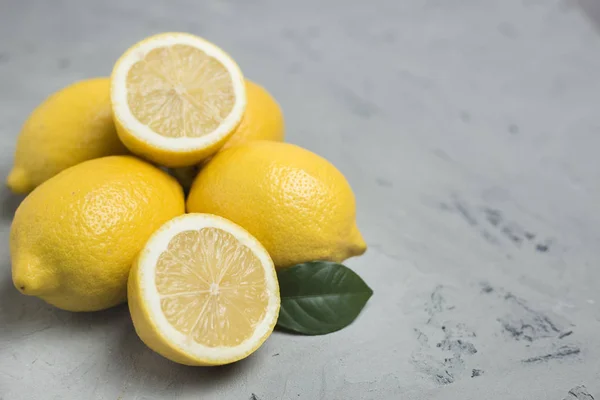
(176, 98)
(203, 291)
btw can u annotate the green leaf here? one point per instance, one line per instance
(320, 297)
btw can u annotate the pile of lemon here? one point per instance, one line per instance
(104, 222)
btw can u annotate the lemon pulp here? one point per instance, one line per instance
(180, 91)
(212, 288)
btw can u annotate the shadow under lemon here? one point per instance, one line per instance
(134, 360)
(23, 316)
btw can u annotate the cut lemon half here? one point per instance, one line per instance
(203, 291)
(176, 98)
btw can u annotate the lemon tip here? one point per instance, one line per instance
(29, 286)
(17, 181)
(358, 245)
(30, 278)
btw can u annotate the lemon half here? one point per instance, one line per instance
(176, 98)
(203, 291)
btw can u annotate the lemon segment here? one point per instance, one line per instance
(176, 98)
(203, 291)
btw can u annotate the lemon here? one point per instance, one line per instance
(74, 238)
(176, 98)
(71, 126)
(203, 291)
(263, 119)
(297, 204)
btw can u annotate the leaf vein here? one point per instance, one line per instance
(310, 296)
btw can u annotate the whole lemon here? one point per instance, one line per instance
(297, 204)
(74, 238)
(73, 125)
(263, 119)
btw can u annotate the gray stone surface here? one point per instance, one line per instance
(469, 130)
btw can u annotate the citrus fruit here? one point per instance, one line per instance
(176, 98)
(296, 203)
(74, 238)
(71, 126)
(203, 291)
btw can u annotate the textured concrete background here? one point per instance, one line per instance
(469, 130)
